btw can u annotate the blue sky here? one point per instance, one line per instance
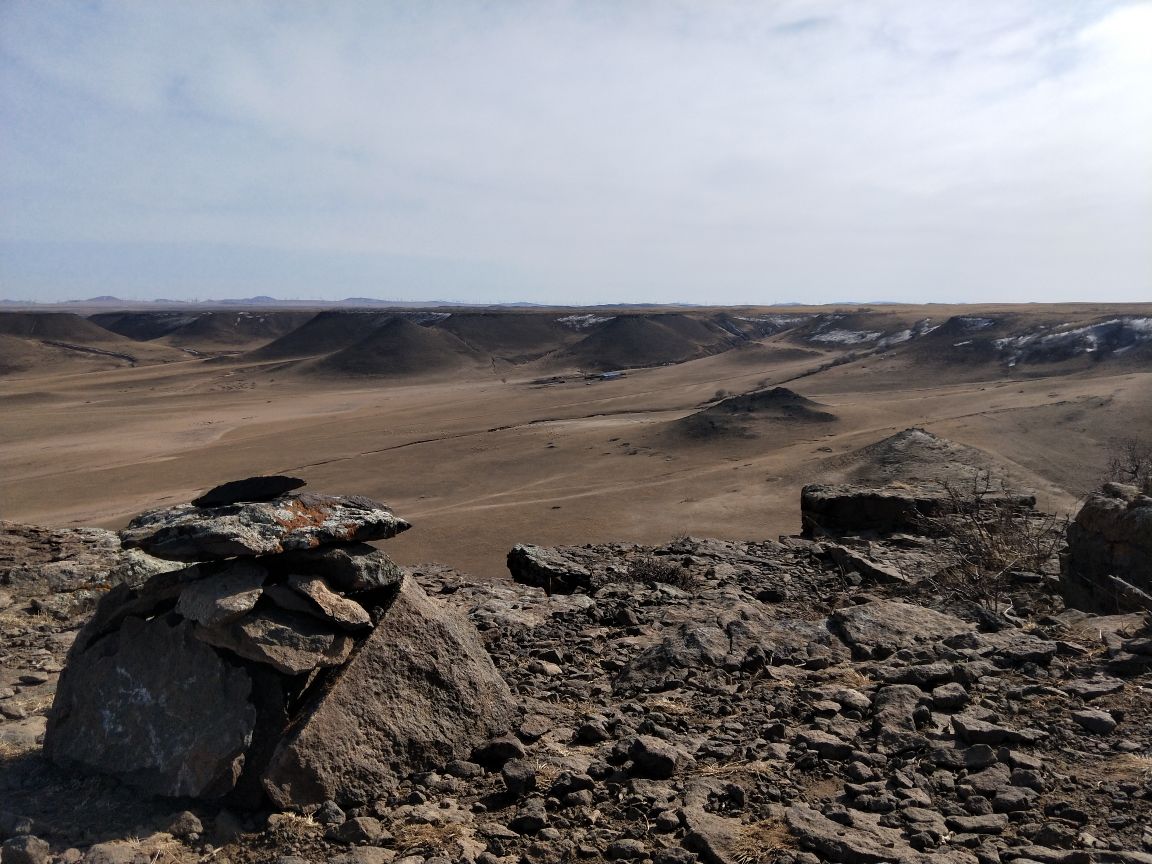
(577, 152)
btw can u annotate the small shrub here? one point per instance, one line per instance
(650, 569)
(1130, 462)
(990, 539)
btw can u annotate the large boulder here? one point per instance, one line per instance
(153, 706)
(549, 569)
(420, 691)
(1108, 565)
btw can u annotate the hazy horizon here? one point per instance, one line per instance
(564, 153)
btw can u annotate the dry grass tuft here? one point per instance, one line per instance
(759, 842)
(1131, 766)
(434, 838)
(652, 569)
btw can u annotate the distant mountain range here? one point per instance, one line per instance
(264, 301)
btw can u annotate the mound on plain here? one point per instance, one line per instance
(400, 348)
(750, 415)
(918, 456)
(633, 341)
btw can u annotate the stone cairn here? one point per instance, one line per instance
(288, 661)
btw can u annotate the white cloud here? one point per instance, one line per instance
(600, 151)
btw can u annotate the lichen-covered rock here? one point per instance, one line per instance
(156, 708)
(67, 569)
(190, 533)
(420, 691)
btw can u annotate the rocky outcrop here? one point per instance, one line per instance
(318, 672)
(549, 569)
(1108, 565)
(65, 571)
(843, 509)
(880, 628)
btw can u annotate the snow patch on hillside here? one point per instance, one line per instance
(1106, 337)
(847, 337)
(583, 322)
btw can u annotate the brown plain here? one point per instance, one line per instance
(480, 430)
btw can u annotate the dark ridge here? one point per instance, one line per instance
(632, 341)
(144, 326)
(511, 336)
(58, 326)
(327, 331)
(225, 329)
(400, 348)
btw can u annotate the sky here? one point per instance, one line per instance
(602, 151)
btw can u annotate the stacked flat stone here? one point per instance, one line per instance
(289, 660)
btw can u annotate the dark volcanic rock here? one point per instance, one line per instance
(214, 602)
(421, 691)
(679, 702)
(741, 636)
(887, 625)
(546, 568)
(190, 533)
(156, 708)
(843, 509)
(291, 644)
(847, 845)
(351, 568)
(250, 489)
(1108, 565)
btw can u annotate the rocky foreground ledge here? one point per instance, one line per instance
(795, 701)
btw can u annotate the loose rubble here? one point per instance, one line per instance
(791, 701)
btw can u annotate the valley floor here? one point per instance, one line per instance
(482, 461)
